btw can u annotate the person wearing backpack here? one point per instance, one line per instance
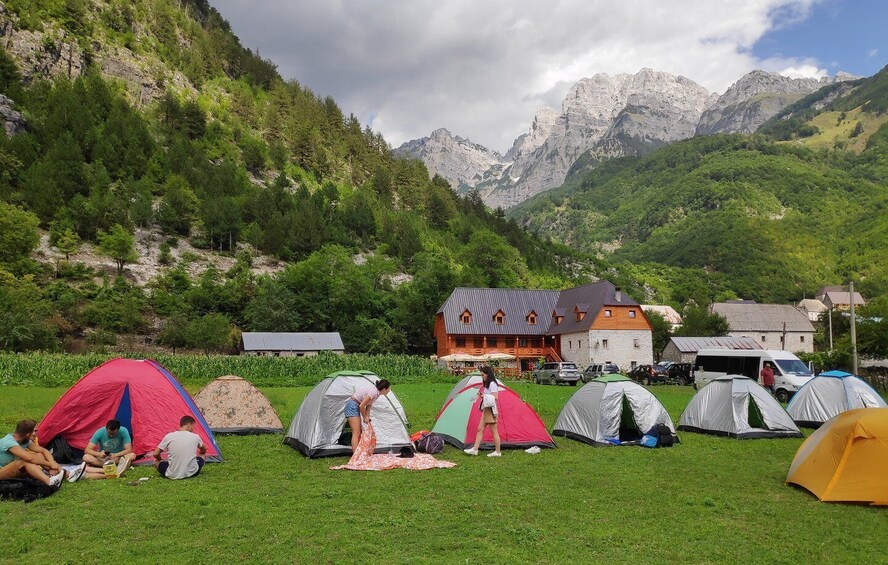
(489, 393)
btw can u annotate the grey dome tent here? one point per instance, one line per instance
(829, 394)
(739, 407)
(318, 428)
(612, 406)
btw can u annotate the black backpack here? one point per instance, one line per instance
(666, 438)
(430, 443)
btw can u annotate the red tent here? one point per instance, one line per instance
(142, 394)
(518, 424)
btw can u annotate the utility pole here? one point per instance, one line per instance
(783, 338)
(830, 328)
(853, 330)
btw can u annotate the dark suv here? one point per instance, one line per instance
(598, 370)
(555, 373)
(680, 373)
(647, 374)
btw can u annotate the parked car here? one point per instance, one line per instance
(681, 373)
(555, 373)
(646, 374)
(675, 373)
(598, 370)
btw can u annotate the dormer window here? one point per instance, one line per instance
(559, 319)
(500, 317)
(532, 318)
(579, 315)
(466, 317)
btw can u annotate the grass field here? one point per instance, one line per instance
(708, 500)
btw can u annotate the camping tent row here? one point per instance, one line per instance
(829, 394)
(141, 394)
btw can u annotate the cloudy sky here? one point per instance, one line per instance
(482, 68)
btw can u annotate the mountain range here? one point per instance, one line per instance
(603, 117)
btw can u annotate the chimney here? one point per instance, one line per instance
(618, 295)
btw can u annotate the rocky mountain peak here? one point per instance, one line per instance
(456, 159)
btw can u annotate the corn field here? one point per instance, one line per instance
(56, 370)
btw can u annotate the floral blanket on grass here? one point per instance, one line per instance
(364, 459)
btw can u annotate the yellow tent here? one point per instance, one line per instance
(846, 459)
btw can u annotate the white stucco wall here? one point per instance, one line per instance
(794, 341)
(575, 348)
(623, 347)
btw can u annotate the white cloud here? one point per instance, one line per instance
(482, 68)
(873, 52)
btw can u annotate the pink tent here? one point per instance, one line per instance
(143, 395)
(518, 424)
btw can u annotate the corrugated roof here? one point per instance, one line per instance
(483, 303)
(843, 298)
(292, 341)
(593, 296)
(763, 317)
(692, 344)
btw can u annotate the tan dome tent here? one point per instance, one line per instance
(739, 407)
(608, 408)
(232, 405)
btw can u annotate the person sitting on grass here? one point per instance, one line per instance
(20, 457)
(181, 447)
(357, 407)
(111, 443)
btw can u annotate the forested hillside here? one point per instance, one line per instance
(769, 217)
(211, 147)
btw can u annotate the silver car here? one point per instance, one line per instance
(554, 373)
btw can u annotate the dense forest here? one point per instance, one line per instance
(236, 161)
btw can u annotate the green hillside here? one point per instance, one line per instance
(199, 140)
(747, 215)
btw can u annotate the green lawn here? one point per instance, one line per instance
(708, 500)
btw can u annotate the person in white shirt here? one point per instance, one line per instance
(181, 447)
(489, 393)
(357, 407)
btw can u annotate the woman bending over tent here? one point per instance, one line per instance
(358, 407)
(489, 393)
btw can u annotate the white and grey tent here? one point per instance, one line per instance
(319, 428)
(829, 394)
(232, 405)
(610, 407)
(739, 407)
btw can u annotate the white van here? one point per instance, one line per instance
(789, 371)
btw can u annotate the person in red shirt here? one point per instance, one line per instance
(767, 377)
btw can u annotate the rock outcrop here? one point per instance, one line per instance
(458, 160)
(755, 98)
(13, 122)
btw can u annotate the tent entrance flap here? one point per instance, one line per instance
(628, 428)
(754, 416)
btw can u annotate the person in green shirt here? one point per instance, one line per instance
(111, 443)
(21, 456)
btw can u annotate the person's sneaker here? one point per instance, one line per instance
(56, 480)
(77, 473)
(122, 466)
(470, 451)
(494, 454)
